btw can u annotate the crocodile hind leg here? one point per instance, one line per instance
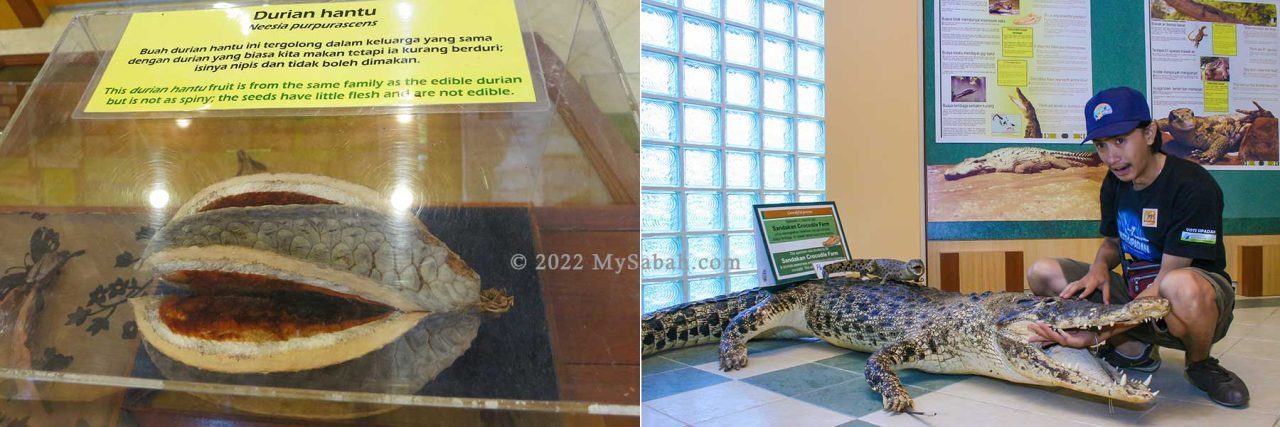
(882, 378)
(775, 311)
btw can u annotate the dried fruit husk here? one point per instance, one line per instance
(289, 272)
(402, 367)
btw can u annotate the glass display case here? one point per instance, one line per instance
(381, 266)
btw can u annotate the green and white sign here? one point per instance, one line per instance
(795, 236)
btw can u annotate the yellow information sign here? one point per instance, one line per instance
(1017, 42)
(1011, 72)
(342, 54)
(1224, 39)
(1216, 97)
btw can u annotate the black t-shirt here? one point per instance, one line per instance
(1179, 214)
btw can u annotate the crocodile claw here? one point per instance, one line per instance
(733, 357)
(897, 402)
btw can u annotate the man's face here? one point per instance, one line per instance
(1126, 155)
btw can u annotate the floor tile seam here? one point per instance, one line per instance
(1141, 413)
(823, 356)
(745, 409)
(715, 371)
(1269, 340)
(685, 391)
(781, 396)
(1224, 351)
(1264, 302)
(825, 387)
(655, 409)
(714, 365)
(914, 391)
(1058, 417)
(1033, 403)
(840, 368)
(1269, 358)
(1205, 402)
(778, 397)
(791, 348)
(682, 366)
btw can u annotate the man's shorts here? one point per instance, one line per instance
(1158, 333)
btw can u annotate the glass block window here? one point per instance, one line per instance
(733, 115)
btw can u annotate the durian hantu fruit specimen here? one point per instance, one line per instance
(293, 272)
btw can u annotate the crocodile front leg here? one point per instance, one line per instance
(771, 313)
(882, 378)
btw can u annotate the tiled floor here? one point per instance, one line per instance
(806, 382)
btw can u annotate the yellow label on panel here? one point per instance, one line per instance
(342, 54)
(1224, 39)
(1216, 99)
(1016, 42)
(1011, 73)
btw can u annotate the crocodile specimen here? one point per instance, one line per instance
(1020, 160)
(1029, 113)
(886, 269)
(909, 326)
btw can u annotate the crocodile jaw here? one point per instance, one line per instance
(967, 169)
(1077, 369)
(1070, 368)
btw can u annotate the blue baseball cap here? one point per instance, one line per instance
(1114, 111)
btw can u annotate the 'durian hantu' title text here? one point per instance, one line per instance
(263, 15)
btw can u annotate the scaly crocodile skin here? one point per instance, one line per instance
(885, 269)
(904, 326)
(1020, 160)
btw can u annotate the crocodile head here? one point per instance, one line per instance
(1075, 369)
(972, 166)
(915, 269)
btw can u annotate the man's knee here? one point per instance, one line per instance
(1043, 274)
(1185, 285)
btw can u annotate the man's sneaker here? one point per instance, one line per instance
(1148, 361)
(1223, 386)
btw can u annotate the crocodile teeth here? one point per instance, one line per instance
(1148, 380)
(1154, 393)
(1124, 379)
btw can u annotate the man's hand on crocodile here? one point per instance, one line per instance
(1066, 338)
(1087, 284)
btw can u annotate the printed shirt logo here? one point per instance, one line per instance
(1132, 239)
(1149, 217)
(1101, 110)
(1200, 235)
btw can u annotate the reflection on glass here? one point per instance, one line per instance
(158, 198)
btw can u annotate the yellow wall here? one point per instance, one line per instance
(8, 19)
(874, 113)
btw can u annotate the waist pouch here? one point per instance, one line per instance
(1139, 274)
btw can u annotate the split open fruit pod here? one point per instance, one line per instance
(403, 367)
(293, 272)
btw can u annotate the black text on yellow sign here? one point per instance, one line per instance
(356, 54)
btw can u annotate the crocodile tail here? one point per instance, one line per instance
(846, 266)
(694, 323)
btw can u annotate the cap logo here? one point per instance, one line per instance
(1101, 111)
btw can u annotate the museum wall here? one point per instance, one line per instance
(876, 161)
(873, 131)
